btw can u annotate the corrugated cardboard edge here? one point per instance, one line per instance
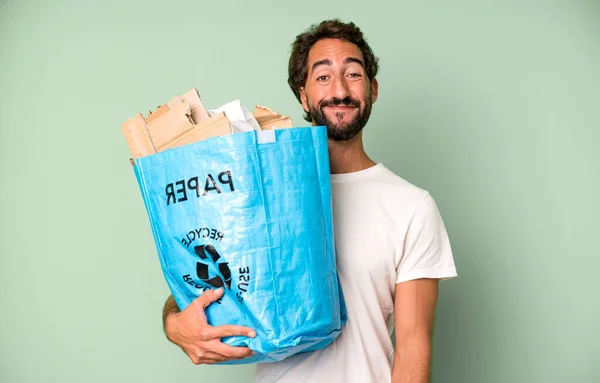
(268, 119)
(269, 123)
(217, 125)
(137, 136)
(263, 111)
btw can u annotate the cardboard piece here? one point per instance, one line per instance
(157, 113)
(192, 97)
(268, 119)
(217, 125)
(262, 111)
(137, 137)
(170, 125)
(174, 102)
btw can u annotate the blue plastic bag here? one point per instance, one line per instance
(250, 212)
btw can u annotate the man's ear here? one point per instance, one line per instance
(374, 90)
(303, 99)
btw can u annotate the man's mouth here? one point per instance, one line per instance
(341, 108)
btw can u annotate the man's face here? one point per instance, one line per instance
(338, 93)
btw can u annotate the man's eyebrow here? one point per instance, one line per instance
(349, 60)
(321, 62)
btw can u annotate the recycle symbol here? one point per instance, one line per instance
(209, 255)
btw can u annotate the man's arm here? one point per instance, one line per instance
(169, 308)
(415, 303)
(189, 329)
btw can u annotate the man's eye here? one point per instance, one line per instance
(322, 78)
(354, 75)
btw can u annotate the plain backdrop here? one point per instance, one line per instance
(493, 107)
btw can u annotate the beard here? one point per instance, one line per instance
(338, 130)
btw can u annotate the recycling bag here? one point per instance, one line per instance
(251, 213)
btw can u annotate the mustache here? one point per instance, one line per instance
(348, 101)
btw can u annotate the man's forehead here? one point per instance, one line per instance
(334, 50)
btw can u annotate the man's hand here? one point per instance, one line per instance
(190, 330)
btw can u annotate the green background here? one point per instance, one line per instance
(491, 106)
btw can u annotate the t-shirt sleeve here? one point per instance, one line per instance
(426, 251)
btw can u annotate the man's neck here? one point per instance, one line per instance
(348, 156)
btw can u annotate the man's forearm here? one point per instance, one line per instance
(170, 307)
(412, 360)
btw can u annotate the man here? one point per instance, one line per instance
(391, 243)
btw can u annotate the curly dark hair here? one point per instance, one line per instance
(298, 66)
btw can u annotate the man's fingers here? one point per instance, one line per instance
(231, 352)
(208, 357)
(232, 330)
(219, 353)
(208, 297)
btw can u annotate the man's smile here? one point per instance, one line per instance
(341, 108)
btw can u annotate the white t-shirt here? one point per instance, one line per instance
(387, 231)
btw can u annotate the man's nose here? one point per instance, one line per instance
(340, 88)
